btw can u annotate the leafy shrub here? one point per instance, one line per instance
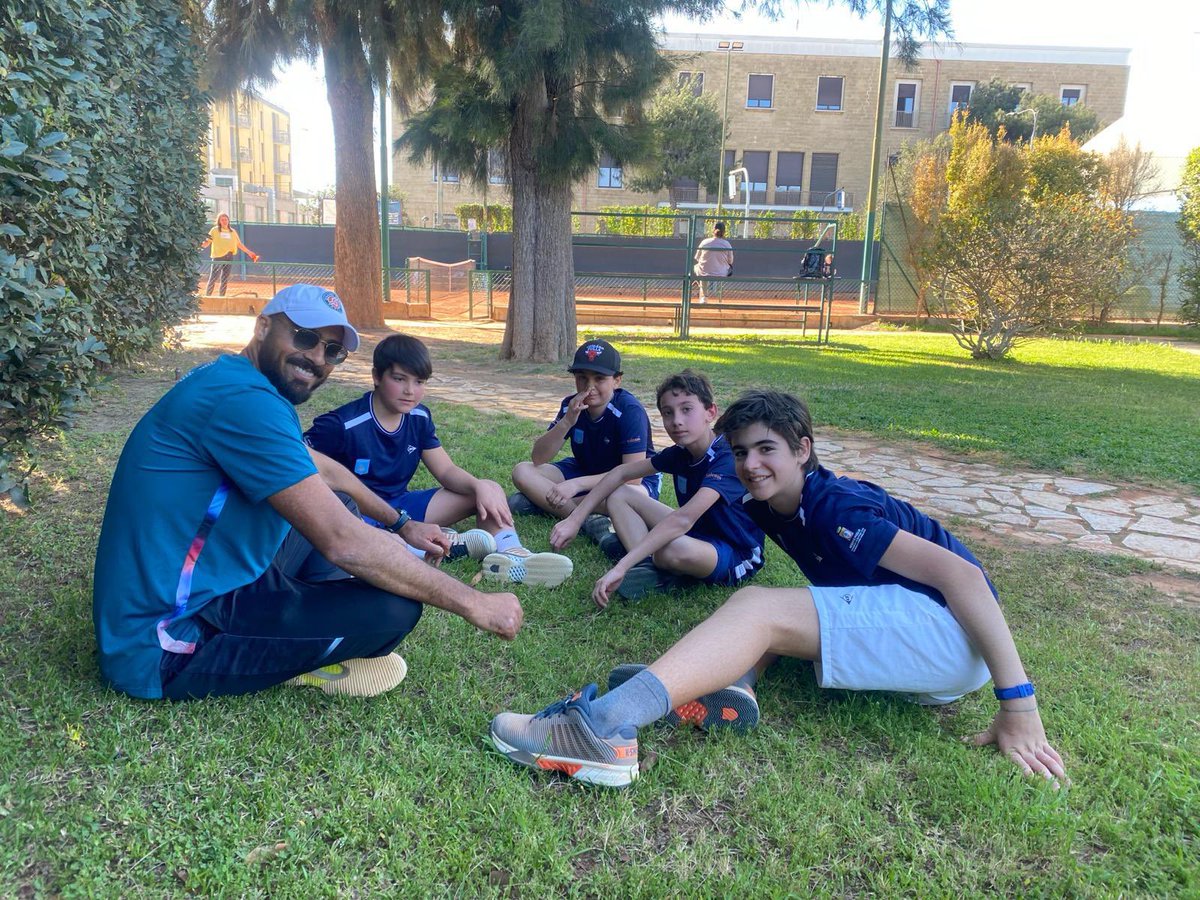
(497, 218)
(101, 128)
(634, 221)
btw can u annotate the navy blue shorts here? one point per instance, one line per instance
(733, 567)
(570, 468)
(301, 614)
(415, 503)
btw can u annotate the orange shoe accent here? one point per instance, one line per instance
(693, 713)
(553, 765)
(625, 752)
(728, 713)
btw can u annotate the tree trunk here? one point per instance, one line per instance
(356, 253)
(541, 306)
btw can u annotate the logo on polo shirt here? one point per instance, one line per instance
(854, 537)
(411, 448)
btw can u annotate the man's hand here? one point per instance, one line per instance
(427, 537)
(564, 533)
(1019, 735)
(491, 503)
(501, 614)
(562, 493)
(606, 584)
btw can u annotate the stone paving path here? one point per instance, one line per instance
(1031, 506)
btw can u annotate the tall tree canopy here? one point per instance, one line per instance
(994, 105)
(553, 85)
(358, 42)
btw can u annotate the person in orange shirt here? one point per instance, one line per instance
(225, 243)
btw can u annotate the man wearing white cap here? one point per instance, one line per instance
(227, 564)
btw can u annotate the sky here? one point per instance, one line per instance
(1163, 35)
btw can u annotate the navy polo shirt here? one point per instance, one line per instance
(727, 519)
(384, 460)
(844, 526)
(598, 445)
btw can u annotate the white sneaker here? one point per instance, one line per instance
(523, 566)
(356, 677)
(475, 543)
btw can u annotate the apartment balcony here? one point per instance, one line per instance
(244, 155)
(283, 168)
(904, 120)
(283, 137)
(243, 121)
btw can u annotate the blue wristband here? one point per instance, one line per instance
(1014, 693)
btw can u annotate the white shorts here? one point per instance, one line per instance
(891, 638)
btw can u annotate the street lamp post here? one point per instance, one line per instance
(729, 47)
(864, 291)
(1033, 130)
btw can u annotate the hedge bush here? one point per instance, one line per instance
(498, 218)
(101, 130)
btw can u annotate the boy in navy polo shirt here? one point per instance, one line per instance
(896, 604)
(709, 537)
(606, 426)
(385, 435)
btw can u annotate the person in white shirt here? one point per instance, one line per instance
(714, 258)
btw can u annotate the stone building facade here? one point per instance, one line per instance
(801, 116)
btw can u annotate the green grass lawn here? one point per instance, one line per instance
(1127, 411)
(290, 793)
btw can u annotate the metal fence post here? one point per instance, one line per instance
(685, 309)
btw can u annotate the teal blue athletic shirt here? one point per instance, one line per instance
(187, 517)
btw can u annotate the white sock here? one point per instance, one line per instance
(419, 554)
(506, 539)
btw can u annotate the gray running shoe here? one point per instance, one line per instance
(475, 543)
(597, 527)
(520, 505)
(599, 530)
(561, 738)
(522, 566)
(733, 707)
(645, 578)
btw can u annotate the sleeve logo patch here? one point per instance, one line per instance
(854, 537)
(362, 466)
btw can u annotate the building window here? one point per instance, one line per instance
(449, 175)
(789, 178)
(611, 175)
(829, 93)
(1025, 86)
(223, 180)
(694, 79)
(906, 103)
(1070, 94)
(759, 91)
(960, 95)
(756, 163)
(822, 180)
(497, 167)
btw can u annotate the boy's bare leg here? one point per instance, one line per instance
(634, 513)
(753, 626)
(536, 481)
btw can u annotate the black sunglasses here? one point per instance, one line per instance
(304, 339)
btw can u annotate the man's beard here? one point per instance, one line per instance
(294, 392)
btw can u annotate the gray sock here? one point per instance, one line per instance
(639, 701)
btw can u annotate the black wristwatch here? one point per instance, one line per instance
(395, 527)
